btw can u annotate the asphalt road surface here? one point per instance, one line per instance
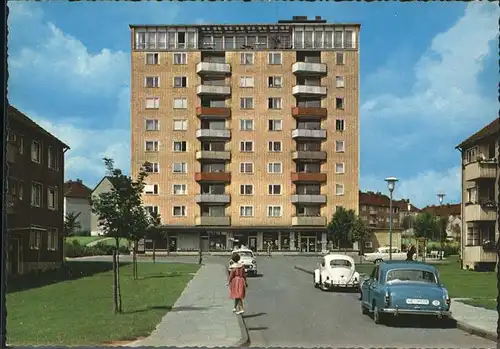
(283, 309)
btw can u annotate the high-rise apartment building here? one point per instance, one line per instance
(250, 130)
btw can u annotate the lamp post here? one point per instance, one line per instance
(441, 198)
(391, 183)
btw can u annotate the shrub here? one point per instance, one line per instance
(74, 249)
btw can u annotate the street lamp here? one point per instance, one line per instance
(441, 198)
(391, 183)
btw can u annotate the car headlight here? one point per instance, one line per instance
(254, 262)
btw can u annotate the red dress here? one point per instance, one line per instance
(237, 283)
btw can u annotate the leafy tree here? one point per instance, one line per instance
(154, 230)
(360, 233)
(121, 215)
(71, 223)
(408, 222)
(341, 226)
(427, 226)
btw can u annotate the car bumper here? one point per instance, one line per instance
(342, 284)
(396, 311)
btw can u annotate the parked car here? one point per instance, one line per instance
(247, 258)
(404, 288)
(336, 271)
(382, 254)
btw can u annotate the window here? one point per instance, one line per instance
(152, 125)
(179, 211)
(179, 189)
(16, 188)
(274, 103)
(339, 57)
(348, 39)
(180, 58)
(275, 81)
(152, 58)
(339, 189)
(180, 146)
(471, 154)
(337, 39)
(181, 40)
(274, 167)
(339, 103)
(246, 103)
(274, 146)
(52, 158)
(339, 167)
(180, 81)
(180, 103)
(21, 145)
(274, 189)
(152, 81)
(152, 167)
(246, 189)
(36, 194)
(339, 146)
(52, 239)
(140, 40)
(162, 40)
(274, 211)
(180, 125)
(246, 167)
(274, 58)
(52, 198)
(246, 211)
(151, 40)
(152, 209)
(340, 81)
(152, 103)
(246, 81)
(275, 125)
(246, 125)
(246, 146)
(246, 58)
(35, 240)
(179, 167)
(151, 189)
(36, 152)
(339, 125)
(152, 146)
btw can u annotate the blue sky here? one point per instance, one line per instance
(428, 78)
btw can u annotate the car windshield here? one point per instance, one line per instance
(245, 253)
(340, 263)
(411, 275)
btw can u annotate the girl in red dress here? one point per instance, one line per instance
(237, 284)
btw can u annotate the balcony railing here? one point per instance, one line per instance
(213, 220)
(219, 112)
(308, 177)
(206, 89)
(307, 133)
(205, 68)
(223, 177)
(213, 155)
(476, 212)
(309, 155)
(213, 133)
(316, 221)
(477, 254)
(308, 199)
(309, 90)
(480, 170)
(307, 112)
(309, 68)
(213, 198)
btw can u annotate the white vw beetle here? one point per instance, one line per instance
(336, 271)
(247, 258)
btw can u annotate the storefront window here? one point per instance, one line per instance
(270, 237)
(218, 241)
(285, 241)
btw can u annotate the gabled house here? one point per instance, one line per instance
(103, 186)
(77, 201)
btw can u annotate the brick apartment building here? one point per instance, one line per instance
(35, 195)
(250, 130)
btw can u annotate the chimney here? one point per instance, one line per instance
(79, 180)
(318, 18)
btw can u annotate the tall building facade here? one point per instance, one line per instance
(250, 131)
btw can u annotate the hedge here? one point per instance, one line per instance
(75, 249)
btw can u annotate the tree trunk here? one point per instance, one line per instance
(115, 284)
(136, 271)
(154, 250)
(118, 291)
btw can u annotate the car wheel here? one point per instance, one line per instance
(364, 309)
(378, 261)
(377, 316)
(314, 281)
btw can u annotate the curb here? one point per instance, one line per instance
(476, 331)
(305, 270)
(245, 338)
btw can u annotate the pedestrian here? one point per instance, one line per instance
(269, 248)
(237, 282)
(231, 262)
(411, 252)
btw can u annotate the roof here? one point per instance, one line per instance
(286, 23)
(370, 198)
(444, 210)
(14, 114)
(386, 265)
(102, 180)
(76, 189)
(489, 130)
(332, 256)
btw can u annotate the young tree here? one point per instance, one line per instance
(119, 214)
(71, 223)
(341, 226)
(360, 233)
(426, 225)
(154, 230)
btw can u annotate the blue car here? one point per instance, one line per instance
(404, 288)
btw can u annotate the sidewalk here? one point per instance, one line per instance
(202, 316)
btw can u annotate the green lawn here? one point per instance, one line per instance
(80, 311)
(112, 242)
(83, 240)
(483, 303)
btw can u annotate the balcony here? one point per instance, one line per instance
(213, 198)
(213, 90)
(309, 221)
(213, 133)
(306, 133)
(308, 90)
(373, 212)
(11, 204)
(476, 212)
(305, 155)
(308, 199)
(213, 68)
(12, 152)
(213, 220)
(308, 177)
(221, 177)
(213, 155)
(299, 68)
(213, 112)
(486, 169)
(309, 113)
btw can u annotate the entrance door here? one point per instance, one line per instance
(308, 244)
(14, 256)
(204, 244)
(252, 241)
(172, 244)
